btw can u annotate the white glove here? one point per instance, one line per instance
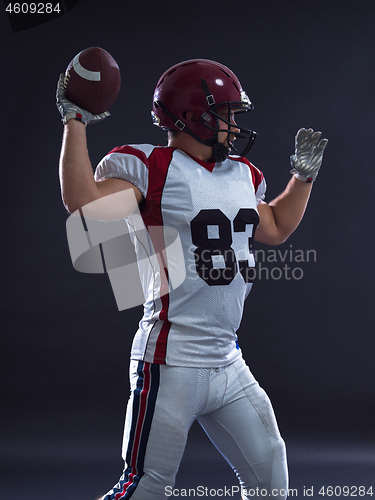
(68, 110)
(308, 155)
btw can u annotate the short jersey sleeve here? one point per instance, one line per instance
(129, 163)
(260, 193)
(257, 178)
(259, 183)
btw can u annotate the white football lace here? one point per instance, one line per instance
(66, 79)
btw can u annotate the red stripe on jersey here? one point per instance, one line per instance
(159, 162)
(131, 151)
(256, 174)
(207, 164)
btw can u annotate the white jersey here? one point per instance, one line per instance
(213, 207)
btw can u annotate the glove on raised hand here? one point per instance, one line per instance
(68, 110)
(308, 155)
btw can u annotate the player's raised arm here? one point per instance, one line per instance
(281, 216)
(78, 186)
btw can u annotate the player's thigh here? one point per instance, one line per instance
(170, 419)
(245, 431)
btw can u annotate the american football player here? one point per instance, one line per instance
(186, 363)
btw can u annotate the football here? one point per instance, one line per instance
(92, 80)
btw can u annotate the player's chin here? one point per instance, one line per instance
(231, 140)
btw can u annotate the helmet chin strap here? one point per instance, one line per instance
(219, 151)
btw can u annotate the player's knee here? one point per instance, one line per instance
(273, 475)
(155, 484)
(277, 471)
(279, 451)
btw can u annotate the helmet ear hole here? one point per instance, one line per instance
(189, 116)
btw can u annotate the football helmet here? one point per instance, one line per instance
(205, 88)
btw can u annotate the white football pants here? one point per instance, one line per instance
(233, 410)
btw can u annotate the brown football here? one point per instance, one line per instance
(93, 80)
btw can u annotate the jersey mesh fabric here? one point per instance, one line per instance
(209, 204)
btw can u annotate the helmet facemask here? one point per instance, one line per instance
(233, 131)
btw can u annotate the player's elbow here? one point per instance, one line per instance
(272, 238)
(71, 209)
(71, 206)
(75, 200)
(274, 242)
(279, 238)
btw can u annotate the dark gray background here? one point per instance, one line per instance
(309, 342)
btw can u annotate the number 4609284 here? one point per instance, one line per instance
(33, 8)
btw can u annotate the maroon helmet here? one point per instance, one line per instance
(202, 87)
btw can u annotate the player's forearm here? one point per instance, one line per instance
(289, 207)
(281, 217)
(77, 182)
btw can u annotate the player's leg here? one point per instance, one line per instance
(245, 431)
(159, 416)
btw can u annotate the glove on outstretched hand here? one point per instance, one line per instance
(308, 155)
(68, 110)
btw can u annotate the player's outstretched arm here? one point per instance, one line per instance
(281, 216)
(78, 186)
